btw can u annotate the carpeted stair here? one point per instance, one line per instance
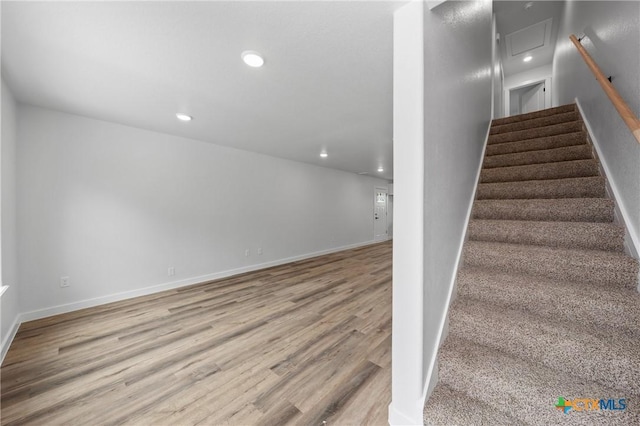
(546, 302)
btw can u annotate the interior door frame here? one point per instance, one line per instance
(547, 93)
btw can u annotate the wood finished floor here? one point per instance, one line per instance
(304, 343)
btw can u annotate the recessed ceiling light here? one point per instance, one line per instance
(380, 169)
(184, 117)
(253, 59)
(527, 58)
(324, 154)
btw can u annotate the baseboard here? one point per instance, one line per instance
(8, 339)
(632, 240)
(89, 303)
(396, 418)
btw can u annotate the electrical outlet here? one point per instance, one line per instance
(171, 271)
(64, 281)
(260, 251)
(246, 253)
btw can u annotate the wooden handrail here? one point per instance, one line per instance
(621, 106)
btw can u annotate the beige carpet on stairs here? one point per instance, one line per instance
(546, 302)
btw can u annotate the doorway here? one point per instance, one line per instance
(528, 97)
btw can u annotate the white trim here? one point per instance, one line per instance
(89, 303)
(634, 239)
(398, 418)
(443, 327)
(407, 372)
(526, 83)
(97, 301)
(6, 342)
(3, 289)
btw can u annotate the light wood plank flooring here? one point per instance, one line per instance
(304, 343)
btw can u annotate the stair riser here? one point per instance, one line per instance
(579, 236)
(540, 132)
(569, 210)
(548, 344)
(533, 115)
(578, 266)
(550, 142)
(570, 153)
(590, 187)
(534, 123)
(567, 169)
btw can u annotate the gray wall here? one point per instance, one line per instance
(613, 40)
(9, 308)
(457, 96)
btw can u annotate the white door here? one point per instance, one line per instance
(380, 214)
(533, 99)
(529, 98)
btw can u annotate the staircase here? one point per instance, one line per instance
(546, 304)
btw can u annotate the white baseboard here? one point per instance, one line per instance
(632, 240)
(89, 303)
(396, 418)
(8, 339)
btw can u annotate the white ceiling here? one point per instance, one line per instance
(326, 82)
(527, 31)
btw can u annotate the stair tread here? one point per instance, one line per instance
(537, 144)
(587, 235)
(538, 132)
(562, 117)
(606, 267)
(551, 343)
(518, 248)
(531, 115)
(561, 209)
(571, 302)
(524, 390)
(580, 187)
(542, 171)
(447, 406)
(564, 153)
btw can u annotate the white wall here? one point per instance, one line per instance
(9, 308)
(112, 207)
(457, 95)
(612, 30)
(442, 109)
